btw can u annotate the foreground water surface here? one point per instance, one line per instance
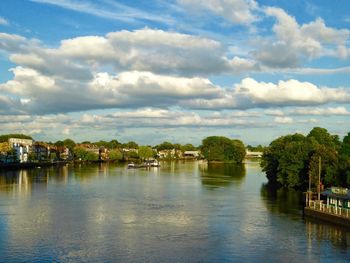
(180, 212)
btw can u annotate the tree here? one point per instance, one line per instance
(69, 143)
(165, 146)
(59, 143)
(115, 155)
(145, 152)
(345, 147)
(84, 155)
(219, 148)
(188, 147)
(114, 144)
(131, 145)
(290, 159)
(322, 136)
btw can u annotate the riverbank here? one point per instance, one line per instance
(29, 165)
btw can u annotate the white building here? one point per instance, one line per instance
(22, 147)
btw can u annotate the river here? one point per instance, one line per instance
(180, 212)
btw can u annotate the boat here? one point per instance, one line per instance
(334, 206)
(146, 164)
(131, 165)
(155, 163)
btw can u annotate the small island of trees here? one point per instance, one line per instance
(222, 149)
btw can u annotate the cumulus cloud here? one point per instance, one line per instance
(43, 94)
(293, 42)
(250, 93)
(143, 50)
(235, 11)
(33, 92)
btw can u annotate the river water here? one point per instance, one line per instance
(180, 212)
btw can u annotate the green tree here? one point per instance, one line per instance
(84, 155)
(290, 159)
(345, 147)
(322, 136)
(115, 155)
(131, 145)
(113, 144)
(165, 146)
(188, 147)
(145, 152)
(59, 143)
(285, 161)
(69, 143)
(219, 148)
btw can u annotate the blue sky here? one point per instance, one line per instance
(175, 70)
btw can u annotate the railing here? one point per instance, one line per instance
(329, 209)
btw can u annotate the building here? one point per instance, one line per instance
(250, 154)
(22, 148)
(191, 154)
(335, 208)
(169, 154)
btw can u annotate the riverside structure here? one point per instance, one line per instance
(335, 209)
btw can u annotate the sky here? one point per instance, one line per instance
(177, 70)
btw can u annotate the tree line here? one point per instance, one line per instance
(213, 148)
(291, 160)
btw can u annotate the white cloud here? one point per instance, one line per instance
(43, 94)
(3, 21)
(322, 111)
(283, 120)
(295, 42)
(250, 93)
(143, 50)
(235, 11)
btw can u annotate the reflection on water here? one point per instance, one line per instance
(338, 236)
(282, 200)
(107, 213)
(221, 174)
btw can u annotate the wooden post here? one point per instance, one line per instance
(319, 179)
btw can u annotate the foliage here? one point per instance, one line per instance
(165, 146)
(290, 160)
(59, 143)
(6, 137)
(115, 155)
(258, 148)
(84, 155)
(219, 148)
(113, 144)
(321, 136)
(4, 147)
(69, 143)
(145, 152)
(188, 147)
(132, 155)
(130, 145)
(345, 147)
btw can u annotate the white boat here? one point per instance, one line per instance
(155, 163)
(131, 165)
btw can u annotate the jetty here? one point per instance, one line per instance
(335, 208)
